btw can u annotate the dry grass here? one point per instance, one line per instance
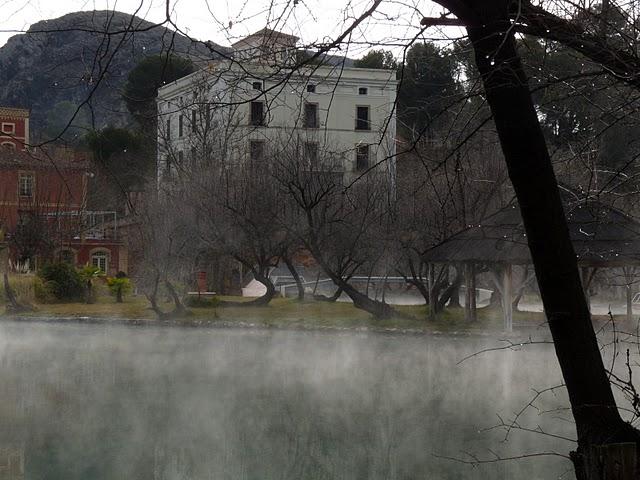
(289, 313)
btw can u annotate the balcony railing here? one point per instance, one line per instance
(91, 225)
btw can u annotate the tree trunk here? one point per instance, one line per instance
(594, 409)
(260, 275)
(153, 298)
(332, 298)
(295, 275)
(454, 292)
(88, 292)
(119, 294)
(451, 294)
(13, 305)
(521, 289)
(378, 309)
(179, 309)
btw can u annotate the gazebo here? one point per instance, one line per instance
(602, 236)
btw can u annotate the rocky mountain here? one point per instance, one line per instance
(60, 63)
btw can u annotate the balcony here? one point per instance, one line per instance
(84, 225)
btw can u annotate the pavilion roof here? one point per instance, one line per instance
(602, 236)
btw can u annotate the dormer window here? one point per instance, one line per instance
(257, 85)
(311, 88)
(363, 91)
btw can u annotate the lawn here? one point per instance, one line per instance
(290, 313)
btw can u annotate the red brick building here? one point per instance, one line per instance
(14, 128)
(43, 195)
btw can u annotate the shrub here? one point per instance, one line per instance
(42, 292)
(119, 286)
(202, 301)
(62, 281)
(24, 287)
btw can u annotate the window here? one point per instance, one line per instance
(180, 124)
(363, 91)
(25, 185)
(257, 85)
(180, 159)
(9, 128)
(167, 168)
(311, 155)
(362, 118)
(168, 129)
(311, 115)
(194, 154)
(100, 260)
(8, 145)
(362, 157)
(194, 122)
(256, 150)
(257, 114)
(311, 88)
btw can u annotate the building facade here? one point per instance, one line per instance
(43, 215)
(14, 128)
(341, 119)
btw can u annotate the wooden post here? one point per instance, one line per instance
(474, 311)
(507, 305)
(628, 280)
(467, 299)
(586, 281)
(431, 286)
(470, 295)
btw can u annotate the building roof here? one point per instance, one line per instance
(45, 158)
(602, 236)
(272, 35)
(14, 112)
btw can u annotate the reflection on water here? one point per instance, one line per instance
(91, 402)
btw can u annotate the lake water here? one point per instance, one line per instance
(111, 402)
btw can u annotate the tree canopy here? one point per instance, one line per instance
(146, 78)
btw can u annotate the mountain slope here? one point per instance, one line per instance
(59, 63)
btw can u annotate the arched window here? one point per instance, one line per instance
(100, 259)
(9, 145)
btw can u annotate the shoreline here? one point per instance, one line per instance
(220, 324)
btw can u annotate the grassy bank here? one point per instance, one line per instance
(283, 313)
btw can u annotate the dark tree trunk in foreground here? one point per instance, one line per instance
(598, 421)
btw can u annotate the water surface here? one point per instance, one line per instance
(111, 402)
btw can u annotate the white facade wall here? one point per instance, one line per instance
(226, 90)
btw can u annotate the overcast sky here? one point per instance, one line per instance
(224, 21)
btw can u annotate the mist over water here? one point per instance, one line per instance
(100, 402)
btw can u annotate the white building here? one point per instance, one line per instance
(256, 98)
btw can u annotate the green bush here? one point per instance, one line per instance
(119, 286)
(202, 301)
(42, 291)
(62, 281)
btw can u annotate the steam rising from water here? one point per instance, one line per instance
(84, 402)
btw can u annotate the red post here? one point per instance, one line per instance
(202, 282)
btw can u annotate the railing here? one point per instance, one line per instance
(94, 225)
